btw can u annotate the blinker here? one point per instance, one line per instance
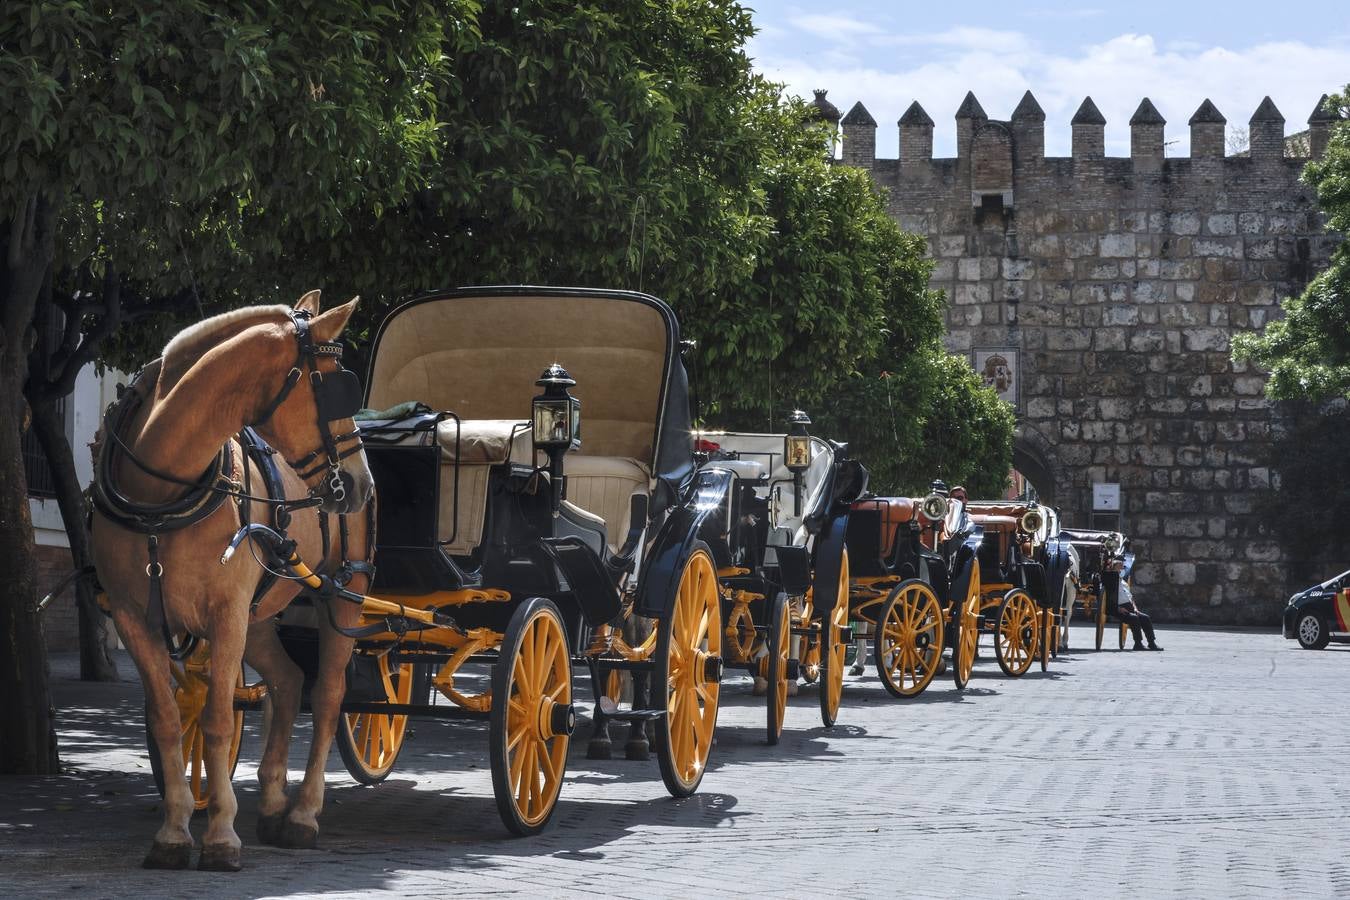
(338, 395)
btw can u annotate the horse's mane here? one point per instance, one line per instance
(188, 346)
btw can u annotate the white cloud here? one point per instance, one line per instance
(887, 72)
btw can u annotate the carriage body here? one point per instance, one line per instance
(503, 559)
(1023, 560)
(910, 567)
(784, 582)
(1104, 562)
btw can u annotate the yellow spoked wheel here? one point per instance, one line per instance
(689, 664)
(530, 726)
(908, 643)
(191, 679)
(833, 649)
(778, 642)
(740, 633)
(968, 630)
(1015, 637)
(369, 743)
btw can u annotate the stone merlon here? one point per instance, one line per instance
(1028, 110)
(859, 115)
(1147, 114)
(1267, 112)
(1323, 113)
(1207, 114)
(970, 108)
(1088, 114)
(916, 115)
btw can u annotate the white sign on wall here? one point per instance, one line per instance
(1106, 497)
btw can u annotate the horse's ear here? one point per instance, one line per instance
(328, 326)
(309, 303)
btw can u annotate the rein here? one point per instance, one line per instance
(337, 398)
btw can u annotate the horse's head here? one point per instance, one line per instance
(309, 419)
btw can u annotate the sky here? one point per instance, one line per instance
(888, 54)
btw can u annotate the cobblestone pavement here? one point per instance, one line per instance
(1207, 770)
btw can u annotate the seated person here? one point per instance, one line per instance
(1139, 622)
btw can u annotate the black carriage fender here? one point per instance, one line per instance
(587, 578)
(701, 515)
(828, 563)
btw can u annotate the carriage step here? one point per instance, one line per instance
(610, 710)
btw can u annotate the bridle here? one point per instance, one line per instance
(336, 397)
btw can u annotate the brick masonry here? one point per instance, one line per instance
(1118, 283)
(60, 621)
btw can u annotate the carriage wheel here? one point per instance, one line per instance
(191, 680)
(967, 630)
(833, 650)
(530, 726)
(779, 644)
(370, 742)
(1015, 639)
(1046, 638)
(1101, 616)
(908, 643)
(689, 663)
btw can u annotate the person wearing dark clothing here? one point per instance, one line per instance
(1137, 619)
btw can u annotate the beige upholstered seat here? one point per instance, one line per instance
(483, 443)
(604, 486)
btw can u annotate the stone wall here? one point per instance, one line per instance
(1115, 285)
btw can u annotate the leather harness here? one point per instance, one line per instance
(336, 397)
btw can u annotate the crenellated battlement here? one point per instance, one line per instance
(979, 138)
(1111, 286)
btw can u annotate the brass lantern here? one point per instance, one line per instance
(797, 454)
(556, 417)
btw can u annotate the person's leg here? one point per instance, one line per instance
(1146, 624)
(1132, 619)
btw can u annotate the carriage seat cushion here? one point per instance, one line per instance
(486, 441)
(604, 486)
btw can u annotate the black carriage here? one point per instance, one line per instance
(522, 520)
(913, 578)
(1104, 564)
(784, 586)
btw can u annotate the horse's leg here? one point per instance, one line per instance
(1068, 597)
(301, 829)
(285, 682)
(638, 747)
(172, 848)
(221, 845)
(600, 746)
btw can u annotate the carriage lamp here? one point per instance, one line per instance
(1032, 521)
(934, 507)
(557, 424)
(1113, 543)
(797, 454)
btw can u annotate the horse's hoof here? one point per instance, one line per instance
(219, 858)
(600, 750)
(295, 836)
(168, 856)
(637, 751)
(269, 829)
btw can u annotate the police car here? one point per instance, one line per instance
(1320, 614)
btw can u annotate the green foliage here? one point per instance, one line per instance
(1308, 351)
(185, 142)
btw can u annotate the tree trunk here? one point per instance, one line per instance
(96, 663)
(27, 720)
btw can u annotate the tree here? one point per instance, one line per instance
(150, 153)
(1308, 351)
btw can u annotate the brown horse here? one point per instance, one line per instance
(271, 368)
